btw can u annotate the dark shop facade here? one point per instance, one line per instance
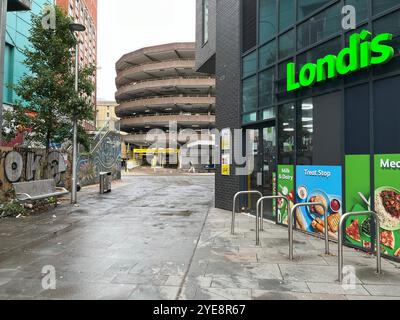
(322, 102)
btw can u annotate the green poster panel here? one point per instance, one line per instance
(387, 202)
(358, 194)
(286, 189)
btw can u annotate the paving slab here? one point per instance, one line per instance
(159, 237)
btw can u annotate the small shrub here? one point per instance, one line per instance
(12, 209)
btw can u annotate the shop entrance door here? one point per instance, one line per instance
(265, 166)
(269, 167)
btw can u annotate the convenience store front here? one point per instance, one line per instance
(327, 130)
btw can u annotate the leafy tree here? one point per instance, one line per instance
(48, 90)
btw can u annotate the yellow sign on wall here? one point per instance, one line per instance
(226, 170)
(155, 151)
(226, 165)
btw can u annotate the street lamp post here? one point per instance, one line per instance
(75, 27)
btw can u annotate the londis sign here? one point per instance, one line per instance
(363, 52)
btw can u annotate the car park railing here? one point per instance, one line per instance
(291, 220)
(343, 220)
(259, 217)
(234, 206)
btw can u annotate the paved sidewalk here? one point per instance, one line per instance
(161, 238)
(232, 267)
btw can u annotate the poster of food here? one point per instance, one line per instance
(319, 184)
(285, 188)
(387, 202)
(358, 194)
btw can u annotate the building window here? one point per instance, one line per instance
(267, 54)
(268, 25)
(319, 27)
(361, 9)
(286, 14)
(250, 94)
(383, 5)
(251, 117)
(286, 133)
(286, 44)
(267, 88)
(305, 132)
(250, 64)
(205, 21)
(307, 7)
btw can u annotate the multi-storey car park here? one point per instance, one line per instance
(159, 85)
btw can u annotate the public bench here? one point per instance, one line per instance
(37, 190)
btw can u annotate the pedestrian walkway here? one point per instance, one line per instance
(161, 238)
(232, 267)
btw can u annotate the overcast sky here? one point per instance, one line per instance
(128, 25)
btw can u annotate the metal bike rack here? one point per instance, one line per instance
(234, 206)
(259, 217)
(343, 220)
(307, 204)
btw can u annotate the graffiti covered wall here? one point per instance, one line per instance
(105, 158)
(23, 164)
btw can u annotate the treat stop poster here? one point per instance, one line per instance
(319, 184)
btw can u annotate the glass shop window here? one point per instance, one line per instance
(361, 9)
(267, 54)
(250, 64)
(251, 117)
(286, 44)
(319, 27)
(286, 14)
(383, 5)
(305, 132)
(268, 21)
(307, 7)
(282, 94)
(286, 133)
(267, 87)
(249, 94)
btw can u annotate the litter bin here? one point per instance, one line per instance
(105, 182)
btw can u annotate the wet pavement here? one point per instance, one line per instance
(160, 238)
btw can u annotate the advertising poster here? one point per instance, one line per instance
(319, 184)
(387, 202)
(358, 196)
(226, 165)
(285, 188)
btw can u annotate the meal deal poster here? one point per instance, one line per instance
(285, 188)
(359, 230)
(319, 184)
(387, 202)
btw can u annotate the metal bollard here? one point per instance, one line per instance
(308, 204)
(260, 216)
(234, 206)
(343, 220)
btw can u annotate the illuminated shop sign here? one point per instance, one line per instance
(363, 52)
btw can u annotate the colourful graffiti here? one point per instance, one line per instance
(105, 158)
